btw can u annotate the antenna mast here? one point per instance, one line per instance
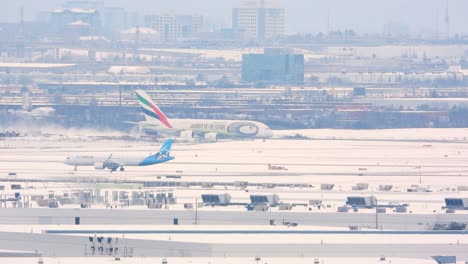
(447, 20)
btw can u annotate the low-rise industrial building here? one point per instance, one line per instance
(271, 199)
(216, 199)
(362, 201)
(456, 203)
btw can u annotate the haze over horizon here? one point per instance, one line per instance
(303, 16)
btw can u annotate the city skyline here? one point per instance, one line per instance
(302, 16)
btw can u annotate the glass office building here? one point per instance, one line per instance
(275, 66)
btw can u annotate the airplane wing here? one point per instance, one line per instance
(110, 164)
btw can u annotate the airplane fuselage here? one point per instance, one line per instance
(115, 162)
(89, 160)
(228, 128)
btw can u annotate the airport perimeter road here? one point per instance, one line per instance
(78, 246)
(47, 216)
(340, 250)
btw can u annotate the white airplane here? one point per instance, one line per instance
(155, 120)
(113, 163)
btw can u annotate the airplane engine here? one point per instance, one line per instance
(187, 134)
(211, 137)
(99, 165)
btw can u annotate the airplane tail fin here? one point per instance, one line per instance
(166, 147)
(150, 109)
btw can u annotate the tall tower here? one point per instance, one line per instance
(20, 36)
(22, 20)
(136, 46)
(447, 20)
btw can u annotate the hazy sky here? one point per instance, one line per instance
(301, 15)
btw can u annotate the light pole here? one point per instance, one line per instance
(420, 178)
(376, 215)
(196, 211)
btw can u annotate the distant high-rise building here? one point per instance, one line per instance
(114, 19)
(273, 66)
(83, 4)
(75, 20)
(258, 20)
(173, 27)
(134, 19)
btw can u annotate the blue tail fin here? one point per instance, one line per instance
(166, 147)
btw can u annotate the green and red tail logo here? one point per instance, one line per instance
(150, 109)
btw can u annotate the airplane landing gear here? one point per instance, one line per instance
(122, 169)
(76, 167)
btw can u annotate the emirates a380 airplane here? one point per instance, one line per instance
(208, 129)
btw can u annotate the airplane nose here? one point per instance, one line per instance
(67, 161)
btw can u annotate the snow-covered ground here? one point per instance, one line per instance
(434, 159)
(439, 166)
(416, 134)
